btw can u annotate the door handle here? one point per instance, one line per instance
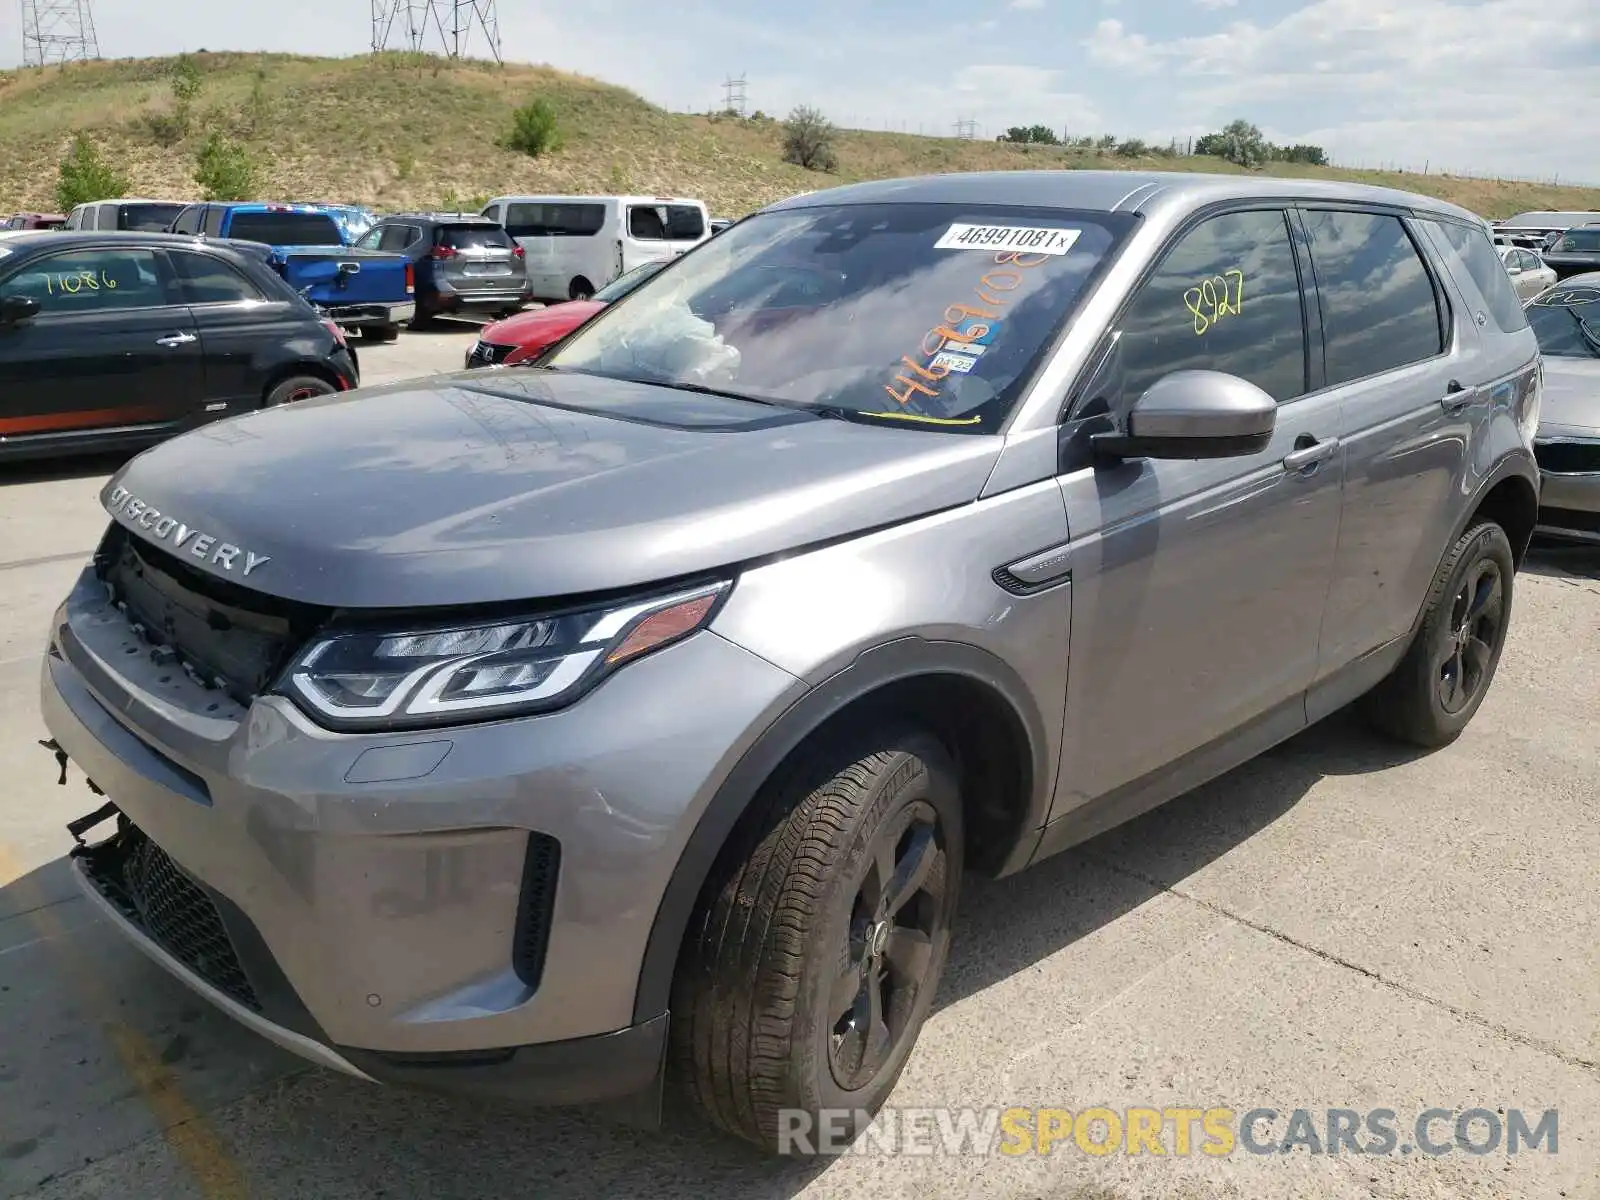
(1456, 398)
(175, 339)
(1309, 454)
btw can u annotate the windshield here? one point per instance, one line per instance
(1566, 320)
(928, 314)
(475, 237)
(626, 282)
(1580, 240)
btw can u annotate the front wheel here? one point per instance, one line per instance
(299, 387)
(815, 953)
(1437, 687)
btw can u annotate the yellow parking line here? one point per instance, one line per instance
(185, 1130)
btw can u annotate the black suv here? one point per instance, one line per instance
(464, 263)
(122, 339)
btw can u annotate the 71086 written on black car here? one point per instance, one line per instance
(117, 340)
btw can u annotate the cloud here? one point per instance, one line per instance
(1372, 81)
(1217, 3)
(1035, 4)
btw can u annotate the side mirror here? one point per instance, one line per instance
(1513, 269)
(17, 308)
(1193, 415)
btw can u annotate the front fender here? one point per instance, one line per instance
(894, 662)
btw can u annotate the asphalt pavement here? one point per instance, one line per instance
(1338, 925)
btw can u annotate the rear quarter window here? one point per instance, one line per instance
(555, 220)
(285, 229)
(1476, 267)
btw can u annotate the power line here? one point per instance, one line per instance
(58, 31)
(967, 129)
(445, 27)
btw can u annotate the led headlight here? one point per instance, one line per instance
(487, 669)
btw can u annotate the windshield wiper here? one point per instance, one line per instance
(1588, 332)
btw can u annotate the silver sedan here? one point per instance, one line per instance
(1528, 273)
(1566, 320)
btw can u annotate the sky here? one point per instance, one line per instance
(1507, 87)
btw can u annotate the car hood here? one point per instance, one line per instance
(529, 484)
(542, 325)
(1571, 403)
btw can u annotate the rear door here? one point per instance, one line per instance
(242, 330)
(113, 345)
(1404, 362)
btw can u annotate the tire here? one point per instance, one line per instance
(380, 333)
(788, 924)
(296, 387)
(580, 289)
(421, 319)
(1431, 695)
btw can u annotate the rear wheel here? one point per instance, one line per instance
(298, 387)
(813, 958)
(1437, 687)
(580, 289)
(380, 333)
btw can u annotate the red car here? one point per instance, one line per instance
(528, 335)
(33, 220)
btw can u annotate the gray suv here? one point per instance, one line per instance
(553, 731)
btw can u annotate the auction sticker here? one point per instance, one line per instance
(1034, 239)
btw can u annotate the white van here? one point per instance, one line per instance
(575, 245)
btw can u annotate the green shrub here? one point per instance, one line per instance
(224, 169)
(808, 140)
(85, 176)
(535, 129)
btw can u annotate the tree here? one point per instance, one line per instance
(1038, 135)
(1243, 145)
(85, 176)
(1212, 145)
(224, 169)
(808, 140)
(535, 128)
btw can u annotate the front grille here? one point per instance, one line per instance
(536, 908)
(223, 636)
(1568, 458)
(489, 354)
(155, 894)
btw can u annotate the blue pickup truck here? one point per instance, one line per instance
(369, 290)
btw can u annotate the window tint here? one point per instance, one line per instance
(213, 221)
(475, 237)
(1474, 263)
(143, 218)
(1379, 309)
(208, 280)
(397, 237)
(188, 220)
(555, 220)
(90, 281)
(1581, 241)
(1225, 298)
(666, 222)
(285, 228)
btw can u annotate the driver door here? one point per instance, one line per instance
(1199, 586)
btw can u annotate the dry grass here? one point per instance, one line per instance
(398, 132)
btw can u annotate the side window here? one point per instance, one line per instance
(212, 225)
(1379, 307)
(396, 237)
(208, 280)
(91, 281)
(371, 238)
(647, 223)
(1226, 298)
(494, 212)
(74, 219)
(1473, 264)
(188, 220)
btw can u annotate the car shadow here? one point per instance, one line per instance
(51, 470)
(1554, 559)
(1006, 926)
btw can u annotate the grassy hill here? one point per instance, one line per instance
(398, 132)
